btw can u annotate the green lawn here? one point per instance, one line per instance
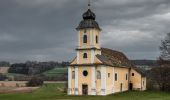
(56, 72)
(53, 92)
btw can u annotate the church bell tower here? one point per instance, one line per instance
(88, 38)
(82, 70)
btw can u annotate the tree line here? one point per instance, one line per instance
(4, 64)
(33, 67)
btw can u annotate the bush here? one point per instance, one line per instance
(161, 76)
(35, 81)
(3, 77)
(151, 85)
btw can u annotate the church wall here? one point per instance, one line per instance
(72, 84)
(82, 60)
(91, 38)
(121, 79)
(94, 34)
(97, 52)
(109, 79)
(143, 83)
(136, 80)
(103, 80)
(89, 55)
(81, 34)
(84, 79)
(98, 82)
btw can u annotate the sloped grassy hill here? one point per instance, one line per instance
(55, 92)
(56, 72)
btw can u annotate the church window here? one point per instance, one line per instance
(133, 74)
(73, 74)
(85, 39)
(126, 76)
(85, 55)
(96, 39)
(115, 76)
(98, 75)
(108, 74)
(85, 73)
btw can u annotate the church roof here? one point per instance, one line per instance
(88, 21)
(113, 58)
(117, 59)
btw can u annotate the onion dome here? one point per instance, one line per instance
(89, 15)
(88, 21)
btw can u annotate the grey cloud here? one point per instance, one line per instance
(45, 29)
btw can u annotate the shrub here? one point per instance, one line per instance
(2, 77)
(151, 85)
(35, 81)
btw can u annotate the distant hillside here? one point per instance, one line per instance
(144, 62)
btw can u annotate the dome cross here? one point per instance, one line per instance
(89, 4)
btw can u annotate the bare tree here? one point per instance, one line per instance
(161, 75)
(165, 48)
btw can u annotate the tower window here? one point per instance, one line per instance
(85, 55)
(85, 39)
(115, 76)
(96, 39)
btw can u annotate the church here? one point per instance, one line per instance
(100, 71)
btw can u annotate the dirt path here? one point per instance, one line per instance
(5, 90)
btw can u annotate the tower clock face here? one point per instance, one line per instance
(85, 73)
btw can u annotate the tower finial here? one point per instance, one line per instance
(89, 4)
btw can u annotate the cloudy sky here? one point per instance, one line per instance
(44, 30)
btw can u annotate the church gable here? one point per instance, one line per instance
(74, 61)
(96, 60)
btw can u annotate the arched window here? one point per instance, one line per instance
(126, 76)
(85, 39)
(73, 74)
(85, 55)
(115, 76)
(96, 39)
(98, 75)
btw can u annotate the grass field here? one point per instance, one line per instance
(56, 72)
(54, 92)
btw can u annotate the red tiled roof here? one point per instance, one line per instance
(117, 59)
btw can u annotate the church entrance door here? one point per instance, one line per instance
(85, 89)
(130, 86)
